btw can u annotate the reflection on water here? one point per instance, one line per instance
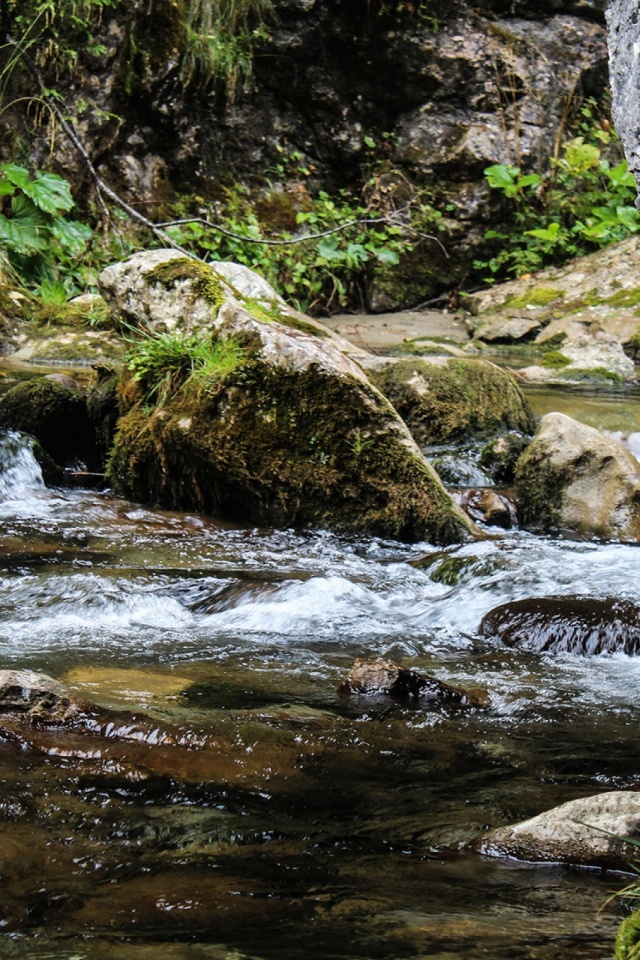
(228, 802)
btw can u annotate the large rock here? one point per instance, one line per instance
(35, 696)
(583, 625)
(593, 356)
(590, 832)
(444, 398)
(573, 477)
(559, 306)
(292, 433)
(624, 69)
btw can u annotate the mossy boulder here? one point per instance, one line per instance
(628, 938)
(292, 434)
(53, 413)
(573, 477)
(443, 399)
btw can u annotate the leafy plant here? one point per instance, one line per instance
(35, 236)
(585, 201)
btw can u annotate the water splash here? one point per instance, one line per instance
(20, 472)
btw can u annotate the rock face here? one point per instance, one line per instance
(442, 399)
(624, 62)
(573, 477)
(573, 833)
(35, 697)
(583, 625)
(385, 677)
(289, 433)
(428, 93)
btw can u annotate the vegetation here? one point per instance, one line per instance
(584, 201)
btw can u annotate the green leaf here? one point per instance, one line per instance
(629, 218)
(72, 235)
(501, 176)
(19, 176)
(21, 235)
(51, 193)
(548, 234)
(388, 256)
(328, 248)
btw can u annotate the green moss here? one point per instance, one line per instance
(535, 297)
(440, 402)
(593, 373)
(205, 282)
(624, 298)
(554, 360)
(55, 415)
(539, 489)
(628, 938)
(274, 447)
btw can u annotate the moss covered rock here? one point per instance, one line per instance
(54, 414)
(444, 399)
(291, 434)
(628, 938)
(573, 477)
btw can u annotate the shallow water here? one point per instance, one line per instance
(232, 803)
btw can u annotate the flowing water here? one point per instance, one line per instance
(233, 803)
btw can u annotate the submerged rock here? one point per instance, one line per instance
(35, 696)
(583, 625)
(578, 832)
(384, 677)
(573, 477)
(287, 432)
(445, 398)
(490, 507)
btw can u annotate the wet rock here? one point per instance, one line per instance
(583, 625)
(490, 507)
(54, 414)
(35, 696)
(292, 433)
(573, 477)
(384, 677)
(577, 832)
(508, 330)
(444, 398)
(499, 456)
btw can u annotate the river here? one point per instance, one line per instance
(248, 809)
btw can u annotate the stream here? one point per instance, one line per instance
(239, 806)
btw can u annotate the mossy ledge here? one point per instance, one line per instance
(451, 400)
(283, 448)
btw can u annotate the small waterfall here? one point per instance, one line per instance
(19, 470)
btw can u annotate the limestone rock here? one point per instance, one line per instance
(35, 696)
(573, 477)
(293, 434)
(383, 677)
(592, 355)
(624, 66)
(582, 625)
(443, 398)
(574, 833)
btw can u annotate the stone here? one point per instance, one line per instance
(292, 434)
(591, 355)
(572, 624)
(577, 832)
(489, 507)
(53, 413)
(508, 330)
(443, 398)
(624, 71)
(35, 696)
(573, 477)
(384, 677)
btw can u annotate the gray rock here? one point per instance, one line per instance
(572, 476)
(577, 832)
(384, 677)
(35, 696)
(624, 68)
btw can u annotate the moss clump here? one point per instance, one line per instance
(554, 360)
(593, 373)
(539, 488)
(204, 280)
(441, 402)
(624, 298)
(276, 447)
(628, 938)
(535, 297)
